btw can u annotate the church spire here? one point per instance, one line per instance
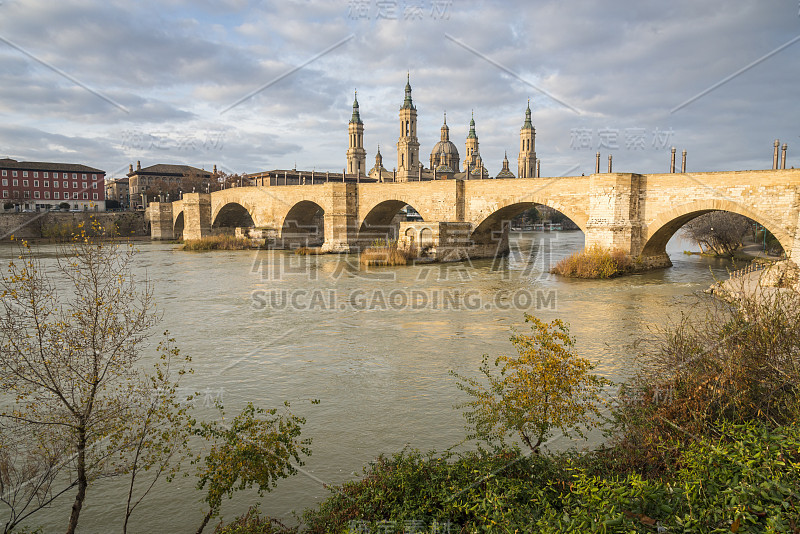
(407, 103)
(528, 124)
(472, 134)
(445, 129)
(356, 118)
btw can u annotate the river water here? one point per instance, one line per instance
(374, 347)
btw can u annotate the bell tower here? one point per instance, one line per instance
(356, 155)
(527, 147)
(407, 144)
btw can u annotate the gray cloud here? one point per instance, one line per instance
(176, 64)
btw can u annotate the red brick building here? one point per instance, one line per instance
(33, 185)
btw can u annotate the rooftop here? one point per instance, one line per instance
(8, 163)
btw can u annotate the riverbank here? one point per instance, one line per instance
(60, 224)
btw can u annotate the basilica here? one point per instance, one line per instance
(445, 162)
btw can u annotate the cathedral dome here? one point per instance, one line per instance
(448, 147)
(445, 146)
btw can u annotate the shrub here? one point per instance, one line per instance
(745, 480)
(252, 523)
(736, 361)
(219, 242)
(308, 251)
(594, 262)
(546, 386)
(386, 253)
(476, 489)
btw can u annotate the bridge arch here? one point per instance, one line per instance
(377, 223)
(177, 228)
(303, 225)
(232, 215)
(488, 228)
(666, 224)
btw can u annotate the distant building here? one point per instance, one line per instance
(118, 189)
(146, 184)
(35, 186)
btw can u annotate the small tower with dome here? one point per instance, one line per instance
(506, 172)
(445, 147)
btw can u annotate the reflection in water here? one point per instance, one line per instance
(381, 374)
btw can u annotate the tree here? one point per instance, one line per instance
(721, 232)
(256, 448)
(69, 361)
(547, 386)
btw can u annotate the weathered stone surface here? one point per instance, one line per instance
(36, 225)
(637, 213)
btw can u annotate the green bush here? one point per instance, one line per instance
(745, 481)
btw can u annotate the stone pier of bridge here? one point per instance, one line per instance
(630, 212)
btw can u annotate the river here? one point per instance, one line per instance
(374, 347)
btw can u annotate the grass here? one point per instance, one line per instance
(594, 262)
(386, 253)
(219, 242)
(308, 251)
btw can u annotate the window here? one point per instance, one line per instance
(47, 183)
(47, 194)
(85, 196)
(74, 184)
(84, 185)
(16, 194)
(94, 177)
(35, 194)
(94, 196)
(75, 195)
(5, 173)
(83, 176)
(35, 174)
(46, 176)
(24, 174)
(74, 176)
(24, 183)
(36, 183)
(26, 194)
(94, 185)
(55, 175)
(56, 195)
(66, 184)
(16, 183)
(13, 173)
(5, 193)
(5, 181)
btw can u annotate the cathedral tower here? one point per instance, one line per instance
(527, 147)
(356, 155)
(472, 159)
(408, 163)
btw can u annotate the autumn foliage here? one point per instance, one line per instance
(546, 386)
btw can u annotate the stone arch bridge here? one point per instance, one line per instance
(637, 213)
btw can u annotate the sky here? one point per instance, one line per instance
(250, 86)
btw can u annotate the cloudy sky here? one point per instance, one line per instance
(251, 85)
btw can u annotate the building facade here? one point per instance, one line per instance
(36, 186)
(117, 189)
(169, 181)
